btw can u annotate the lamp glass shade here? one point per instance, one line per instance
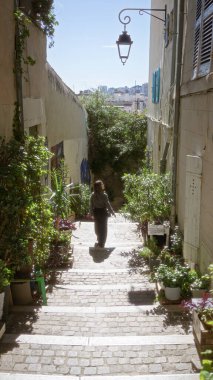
(124, 44)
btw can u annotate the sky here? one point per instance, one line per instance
(85, 53)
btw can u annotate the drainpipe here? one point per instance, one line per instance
(177, 108)
(18, 77)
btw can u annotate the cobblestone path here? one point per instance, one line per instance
(101, 322)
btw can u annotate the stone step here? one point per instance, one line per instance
(9, 376)
(107, 297)
(120, 321)
(97, 356)
(114, 256)
(101, 277)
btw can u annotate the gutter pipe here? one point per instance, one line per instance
(177, 108)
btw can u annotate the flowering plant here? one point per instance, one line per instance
(203, 307)
(65, 224)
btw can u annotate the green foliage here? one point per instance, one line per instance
(168, 258)
(116, 138)
(60, 199)
(148, 196)
(176, 241)
(201, 281)
(207, 366)
(24, 206)
(177, 276)
(152, 245)
(62, 237)
(80, 200)
(146, 253)
(43, 12)
(6, 275)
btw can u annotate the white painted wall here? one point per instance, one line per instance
(66, 121)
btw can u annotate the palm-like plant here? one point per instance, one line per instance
(60, 198)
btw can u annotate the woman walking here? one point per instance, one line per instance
(100, 209)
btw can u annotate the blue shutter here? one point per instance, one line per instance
(157, 91)
(153, 87)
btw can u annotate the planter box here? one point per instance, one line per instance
(21, 293)
(198, 293)
(203, 336)
(159, 230)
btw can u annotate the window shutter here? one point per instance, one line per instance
(157, 97)
(153, 87)
(199, 9)
(196, 47)
(207, 4)
(206, 41)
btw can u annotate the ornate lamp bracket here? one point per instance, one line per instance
(125, 20)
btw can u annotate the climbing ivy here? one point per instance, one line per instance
(25, 211)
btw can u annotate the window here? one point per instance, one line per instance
(202, 59)
(156, 86)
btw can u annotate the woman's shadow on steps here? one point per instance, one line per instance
(99, 255)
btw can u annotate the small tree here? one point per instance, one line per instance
(117, 141)
(148, 197)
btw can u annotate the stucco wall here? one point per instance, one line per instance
(7, 85)
(33, 79)
(159, 114)
(196, 138)
(66, 121)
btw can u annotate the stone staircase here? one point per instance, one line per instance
(101, 322)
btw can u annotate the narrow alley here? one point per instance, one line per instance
(102, 320)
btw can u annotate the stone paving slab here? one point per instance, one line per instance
(156, 309)
(96, 324)
(103, 277)
(100, 340)
(122, 239)
(92, 360)
(119, 297)
(8, 376)
(103, 287)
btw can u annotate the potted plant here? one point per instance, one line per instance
(5, 277)
(148, 198)
(200, 285)
(202, 319)
(173, 278)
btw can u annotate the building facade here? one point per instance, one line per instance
(50, 108)
(180, 117)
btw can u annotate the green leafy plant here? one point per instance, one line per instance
(207, 366)
(6, 275)
(80, 200)
(168, 258)
(62, 238)
(147, 198)
(176, 276)
(24, 204)
(117, 142)
(60, 198)
(176, 241)
(201, 282)
(203, 307)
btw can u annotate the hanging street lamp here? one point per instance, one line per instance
(124, 41)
